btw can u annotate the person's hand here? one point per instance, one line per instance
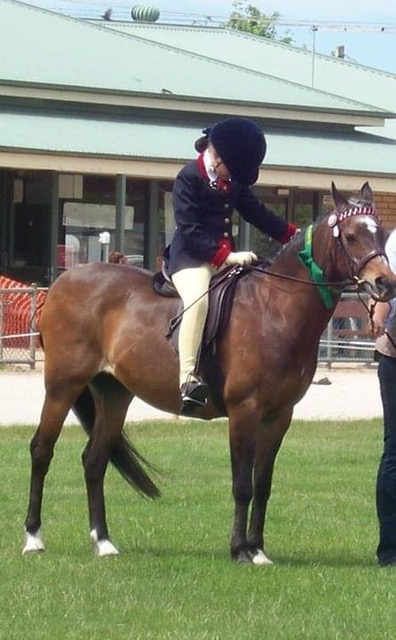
(241, 257)
(377, 328)
(379, 312)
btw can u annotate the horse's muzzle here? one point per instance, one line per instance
(382, 288)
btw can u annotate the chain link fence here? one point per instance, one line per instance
(19, 308)
(348, 337)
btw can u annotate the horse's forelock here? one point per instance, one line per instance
(356, 202)
(352, 202)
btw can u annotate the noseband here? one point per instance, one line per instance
(334, 221)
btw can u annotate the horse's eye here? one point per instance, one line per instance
(350, 237)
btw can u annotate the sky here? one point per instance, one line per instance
(365, 28)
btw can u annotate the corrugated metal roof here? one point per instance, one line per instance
(43, 47)
(335, 75)
(330, 74)
(352, 152)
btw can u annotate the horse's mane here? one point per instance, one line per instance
(297, 241)
(294, 244)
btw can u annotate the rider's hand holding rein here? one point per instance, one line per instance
(205, 194)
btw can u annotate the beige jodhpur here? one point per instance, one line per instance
(192, 285)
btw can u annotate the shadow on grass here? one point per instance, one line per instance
(323, 560)
(327, 560)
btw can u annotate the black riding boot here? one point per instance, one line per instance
(194, 395)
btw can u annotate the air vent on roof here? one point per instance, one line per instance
(145, 13)
(339, 52)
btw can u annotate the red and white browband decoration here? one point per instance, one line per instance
(336, 218)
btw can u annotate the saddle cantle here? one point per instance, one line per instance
(163, 285)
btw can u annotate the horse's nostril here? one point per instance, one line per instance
(383, 285)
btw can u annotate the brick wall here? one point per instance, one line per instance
(386, 207)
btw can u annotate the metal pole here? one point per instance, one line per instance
(152, 234)
(33, 338)
(104, 239)
(119, 240)
(1, 325)
(54, 228)
(314, 30)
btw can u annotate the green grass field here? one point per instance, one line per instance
(173, 578)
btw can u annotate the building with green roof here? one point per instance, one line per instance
(97, 117)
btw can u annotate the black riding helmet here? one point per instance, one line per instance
(240, 144)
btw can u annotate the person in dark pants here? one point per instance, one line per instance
(205, 194)
(384, 325)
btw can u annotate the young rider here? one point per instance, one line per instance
(205, 194)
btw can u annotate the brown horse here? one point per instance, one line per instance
(104, 331)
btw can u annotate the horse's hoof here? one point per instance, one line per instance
(33, 543)
(242, 557)
(259, 558)
(249, 556)
(103, 547)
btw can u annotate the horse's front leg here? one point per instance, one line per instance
(242, 443)
(268, 440)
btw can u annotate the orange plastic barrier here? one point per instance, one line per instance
(16, 311)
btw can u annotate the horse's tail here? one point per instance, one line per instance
(123, 456)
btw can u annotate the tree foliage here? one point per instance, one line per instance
(246, 17)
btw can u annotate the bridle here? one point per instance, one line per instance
(334, 221)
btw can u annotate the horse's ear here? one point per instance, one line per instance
(366, 193)
(338, 199)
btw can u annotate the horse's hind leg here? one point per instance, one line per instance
(111, 402)
(42, 445)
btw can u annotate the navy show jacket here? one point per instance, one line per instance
(203, 218)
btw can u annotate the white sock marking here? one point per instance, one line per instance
(260, 558)
(102, 547)
(33, 543)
